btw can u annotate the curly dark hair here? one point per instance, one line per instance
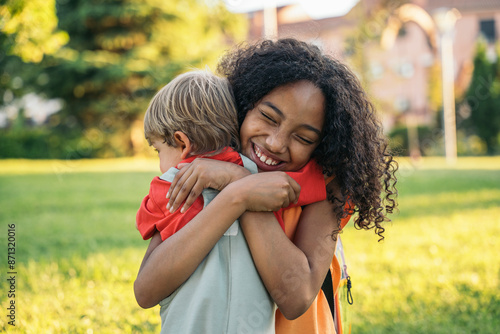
(353, 147)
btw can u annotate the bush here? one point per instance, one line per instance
(482, 100)
(430, 141)
(32, 144)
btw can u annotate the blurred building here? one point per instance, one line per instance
(398, 73)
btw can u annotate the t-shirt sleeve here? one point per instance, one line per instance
(149, 212)
(153, 215)
(313, 188)
(312, 184)
(349, 208)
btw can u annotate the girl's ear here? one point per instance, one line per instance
(183, 143)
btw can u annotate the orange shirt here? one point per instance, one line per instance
(318, 318)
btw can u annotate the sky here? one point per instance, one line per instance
(316, 9)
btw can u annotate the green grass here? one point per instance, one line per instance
(438, 269)
(77, 249)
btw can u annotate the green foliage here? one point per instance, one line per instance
(430, 141)
(42, 143)
(119, 53)
(482, 99)
(29, 29)
(78, 251)
(35, 143)
(27, 33)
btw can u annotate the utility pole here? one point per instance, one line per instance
(445, 21)
(270, 20)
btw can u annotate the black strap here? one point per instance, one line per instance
(327, 288)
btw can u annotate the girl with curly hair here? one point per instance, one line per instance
(294, 104)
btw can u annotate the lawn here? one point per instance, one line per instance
(77, 250)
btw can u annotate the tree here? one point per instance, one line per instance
(119, 54)
(29, 29)
(28, 32)
(483, 99)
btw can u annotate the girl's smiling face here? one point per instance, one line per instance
(284, 128)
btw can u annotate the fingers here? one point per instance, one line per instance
(192, 178)
(294, 190)
(193, 195)
(175, 181)
(180, 189)
(291, 191)
(269, 191)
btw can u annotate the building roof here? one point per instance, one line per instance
(463, 5)
(315, 9)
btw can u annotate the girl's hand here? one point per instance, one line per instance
(198, 175)
(268, 191)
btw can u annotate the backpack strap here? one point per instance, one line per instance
(327, 288)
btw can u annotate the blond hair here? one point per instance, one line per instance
(199, 104)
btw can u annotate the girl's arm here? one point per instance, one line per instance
(201, 174)
(170, 263)
(292, 271)
(155, 241)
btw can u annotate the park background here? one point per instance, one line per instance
(76, 78)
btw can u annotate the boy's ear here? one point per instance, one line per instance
(183, 143)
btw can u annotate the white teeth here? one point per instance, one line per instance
(263, 158)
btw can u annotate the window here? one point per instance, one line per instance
(401, 104)
(487, 30)
(406, 69)
(376, 70)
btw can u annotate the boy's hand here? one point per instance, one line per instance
(200, 174)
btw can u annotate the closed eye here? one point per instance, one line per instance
(305, 141)
(267, 116)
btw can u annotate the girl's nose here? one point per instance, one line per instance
(277, 142)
